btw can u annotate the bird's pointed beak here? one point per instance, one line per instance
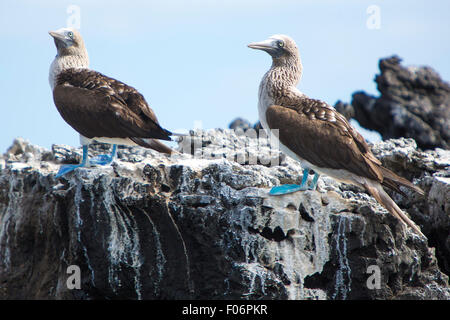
(56, 35)
(265, 45)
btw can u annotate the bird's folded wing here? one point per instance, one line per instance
(95, 107)
(317, 133)
(133, 99)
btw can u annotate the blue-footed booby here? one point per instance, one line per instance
(98, 107)
(315, 134)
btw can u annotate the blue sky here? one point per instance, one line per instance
(190, 58)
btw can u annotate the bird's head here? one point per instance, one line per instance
(279, 46)
(68, 41)
(285, 55)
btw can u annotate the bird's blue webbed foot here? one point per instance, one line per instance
(104, 159)
(101, 160)
(286, 188)
(70, 167)
(67, 168)
(290, 188)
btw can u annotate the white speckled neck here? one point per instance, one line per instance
(61, 63)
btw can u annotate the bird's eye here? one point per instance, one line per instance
(280, 44)
(70, 34)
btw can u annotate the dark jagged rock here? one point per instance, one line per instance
(257, 126)
(346, 109)
(240, 123)
(154, 227)
(243, 125)
(414, 102)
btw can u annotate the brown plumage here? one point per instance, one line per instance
(315, 134)
(117, 110)
(99, 107)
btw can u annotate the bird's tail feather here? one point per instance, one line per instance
(154, 144)
(393, 181)
(376, 190)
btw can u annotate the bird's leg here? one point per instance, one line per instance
(313, 184)
(104, 159)
(290, 188)
(70, 167)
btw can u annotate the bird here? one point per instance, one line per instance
(98, 107)
(316, 135)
